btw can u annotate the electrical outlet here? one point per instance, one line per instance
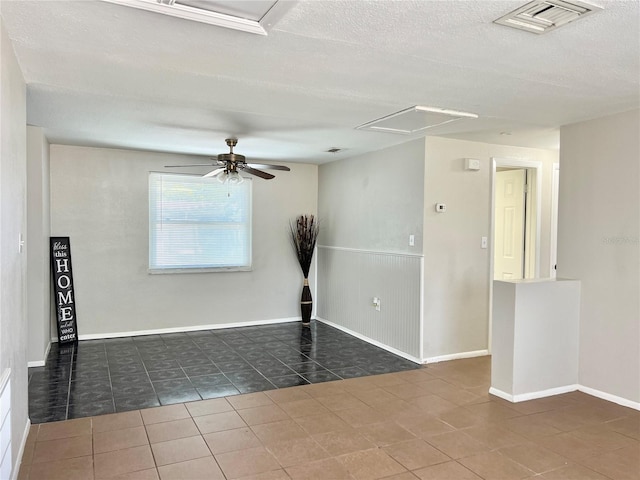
(376, 303)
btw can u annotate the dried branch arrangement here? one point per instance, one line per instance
(304, 233)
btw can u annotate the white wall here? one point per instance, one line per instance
(13, 323)
(368, 207)
(99, 198)
(457, 270)
(38, 232)
(598, 240)
(534, 352)
(374, 201)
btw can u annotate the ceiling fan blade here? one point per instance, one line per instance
(258, 173)
(213, 173)
(266, 166)
(192, 165)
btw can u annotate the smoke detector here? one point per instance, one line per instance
(542, 16)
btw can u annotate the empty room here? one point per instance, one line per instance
(313, 239)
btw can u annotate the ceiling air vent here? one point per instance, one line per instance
(546, 15)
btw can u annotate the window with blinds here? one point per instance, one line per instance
(198, 224)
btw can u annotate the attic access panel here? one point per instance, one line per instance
(414, 119)
(248, 9)
(251, 16)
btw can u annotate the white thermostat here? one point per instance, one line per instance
(441, 207)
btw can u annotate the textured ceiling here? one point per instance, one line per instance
(107, 75)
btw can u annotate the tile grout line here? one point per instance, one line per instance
(149, 377)
(113, 397)
(66, 413)
(146, 432)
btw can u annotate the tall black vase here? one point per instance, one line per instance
(306, 303)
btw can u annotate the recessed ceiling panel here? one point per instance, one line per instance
(249, 9)
(252, 16)
(415, 119)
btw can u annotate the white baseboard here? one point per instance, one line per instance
(195, 328)
(500, 394)
(560, 390)
(523, 397)
(23, 443)
(456, 356)
(370, 340)
(609, 397)
(40, 363)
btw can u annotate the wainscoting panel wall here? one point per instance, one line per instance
(348, 281)
(5, 424)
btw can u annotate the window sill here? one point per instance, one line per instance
(164, 271)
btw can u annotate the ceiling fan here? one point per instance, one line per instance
(229, 165)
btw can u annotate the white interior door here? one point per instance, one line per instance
(509, 224)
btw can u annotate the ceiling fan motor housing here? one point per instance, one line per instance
(231, 160)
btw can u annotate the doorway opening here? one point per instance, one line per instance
(522, 219)
(515, 222)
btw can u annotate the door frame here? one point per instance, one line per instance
(535, 165)
(553, 241)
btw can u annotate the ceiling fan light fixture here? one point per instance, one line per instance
(222, 176)
(229, 178)
(234, 178)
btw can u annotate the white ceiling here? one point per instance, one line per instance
(107, 75)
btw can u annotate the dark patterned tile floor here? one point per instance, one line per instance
(95, 377)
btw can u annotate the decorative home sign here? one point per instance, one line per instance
(63, 289)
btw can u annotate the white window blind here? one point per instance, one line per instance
(198, 223)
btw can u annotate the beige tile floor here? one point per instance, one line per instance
(434, 423)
